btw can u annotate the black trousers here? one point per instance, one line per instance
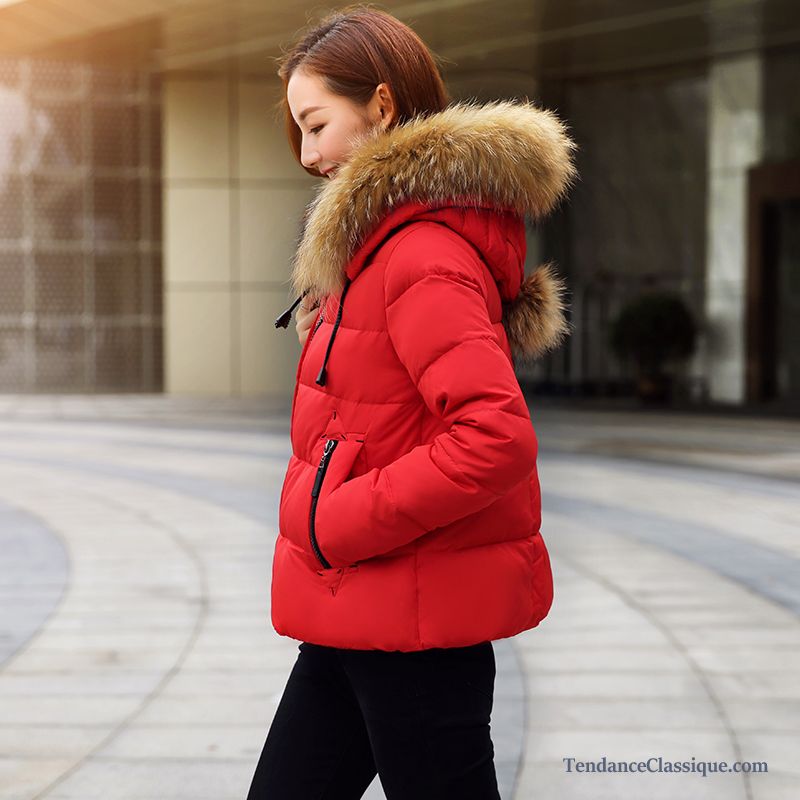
(418, 719)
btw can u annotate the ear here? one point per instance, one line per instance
(386, 104)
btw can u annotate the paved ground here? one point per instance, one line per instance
(137, 660)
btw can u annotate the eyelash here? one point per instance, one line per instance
(317, 128)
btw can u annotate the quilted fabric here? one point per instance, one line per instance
(410, 510)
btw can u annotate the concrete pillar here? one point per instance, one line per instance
(233, 202)
(736, 141)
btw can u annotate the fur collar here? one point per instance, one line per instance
(503, 154)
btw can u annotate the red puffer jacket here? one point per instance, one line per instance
(410, 510)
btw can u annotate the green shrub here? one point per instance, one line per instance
(652, 329)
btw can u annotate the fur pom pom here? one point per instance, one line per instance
(535, 320)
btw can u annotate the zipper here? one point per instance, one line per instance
(319, 322)
(330, 446)
(299, 370)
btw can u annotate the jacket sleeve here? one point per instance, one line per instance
(438, 322)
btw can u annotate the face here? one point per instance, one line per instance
(328, 131)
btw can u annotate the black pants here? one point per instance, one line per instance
(419, 719)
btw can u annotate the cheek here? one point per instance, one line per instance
(332, 150)
(338, 145)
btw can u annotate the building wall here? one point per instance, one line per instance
(80, 228)
(233, 200)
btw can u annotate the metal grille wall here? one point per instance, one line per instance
(80, 228)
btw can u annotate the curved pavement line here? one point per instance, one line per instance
(283, 450)
(169, 674)
(678, 646)
(199, 620)
(768, 572)
(775, 486)
(724, 553)
(34, 564)
(250, 503)
(721, 552)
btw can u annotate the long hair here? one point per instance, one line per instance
(354, 49)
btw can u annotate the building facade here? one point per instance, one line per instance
(150, 203)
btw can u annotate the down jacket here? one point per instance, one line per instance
(410, 509)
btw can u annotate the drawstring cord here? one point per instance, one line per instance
(323, 373)
(283, 319)
(283, 322)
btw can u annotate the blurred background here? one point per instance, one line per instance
(149, 210)
(150, 206)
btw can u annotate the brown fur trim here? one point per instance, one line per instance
(504, 153)
(534, 320)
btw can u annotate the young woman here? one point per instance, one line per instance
(410, 511)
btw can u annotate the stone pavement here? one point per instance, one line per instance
(137, 659)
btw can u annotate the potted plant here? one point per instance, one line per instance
(650, 330)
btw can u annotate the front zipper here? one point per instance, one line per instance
(300, 361)
(330, 446)
(320, 320)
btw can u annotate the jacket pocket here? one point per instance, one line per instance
(335, 466)
(294, 502)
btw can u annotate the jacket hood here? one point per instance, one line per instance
(480, 169)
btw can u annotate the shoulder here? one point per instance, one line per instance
(430, 251)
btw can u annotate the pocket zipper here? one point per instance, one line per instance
(330, 446)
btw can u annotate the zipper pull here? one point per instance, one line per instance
(326, 454)
(329, 445)
(283, 319)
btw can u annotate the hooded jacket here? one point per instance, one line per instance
(410, 510)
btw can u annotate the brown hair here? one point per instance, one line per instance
(353, 50)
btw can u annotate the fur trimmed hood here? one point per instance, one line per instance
(504, 156)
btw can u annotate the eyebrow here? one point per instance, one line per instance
(306, 112)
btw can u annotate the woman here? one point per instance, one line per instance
(409, 516)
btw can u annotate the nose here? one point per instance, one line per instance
(308, 156)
